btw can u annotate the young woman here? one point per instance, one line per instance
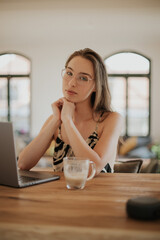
(82, 123)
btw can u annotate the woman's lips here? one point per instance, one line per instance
(70, 92)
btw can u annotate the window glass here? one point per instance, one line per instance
(3, 99)
(13, 64)
(127, 63)
(20, 103)
(129, 82)
(15, 91)
(117, 86)
(138, 106)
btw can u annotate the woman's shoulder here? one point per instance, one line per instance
(111, 125)
(110, 116)
(112, 119)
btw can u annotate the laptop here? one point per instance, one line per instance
(10, 175)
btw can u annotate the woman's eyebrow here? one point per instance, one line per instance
(70, 68)
(81, 72)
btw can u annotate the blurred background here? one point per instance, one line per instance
(37, 36)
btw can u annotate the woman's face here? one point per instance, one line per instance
(78, 81)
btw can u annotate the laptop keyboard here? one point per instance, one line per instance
(27, 179)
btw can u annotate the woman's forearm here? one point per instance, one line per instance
(106, 148)
(32, 153)
(79, 145)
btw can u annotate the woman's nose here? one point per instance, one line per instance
(73, 81)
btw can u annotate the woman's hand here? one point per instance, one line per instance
(68, 109)
(57, 108)
(63, 109)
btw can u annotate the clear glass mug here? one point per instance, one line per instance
(76, 171)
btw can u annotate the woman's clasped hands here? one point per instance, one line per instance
(63, 109)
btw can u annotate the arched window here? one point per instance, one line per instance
(129, 82)
(15, 72)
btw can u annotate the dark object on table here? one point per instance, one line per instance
(143, 208)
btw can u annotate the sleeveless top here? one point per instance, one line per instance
(63, 149)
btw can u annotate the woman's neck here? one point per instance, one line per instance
(83, 112)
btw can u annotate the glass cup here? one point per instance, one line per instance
(76, 171)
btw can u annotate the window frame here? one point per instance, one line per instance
(126, 76)
(9, 77)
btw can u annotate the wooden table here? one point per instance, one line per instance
(50, 211)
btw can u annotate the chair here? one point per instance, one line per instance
(152, 167)
(132, 166)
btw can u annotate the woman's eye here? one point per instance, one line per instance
(83, 78)
(69, 73)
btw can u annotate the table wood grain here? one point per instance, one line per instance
(51, 211)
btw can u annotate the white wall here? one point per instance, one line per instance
(49, 31)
